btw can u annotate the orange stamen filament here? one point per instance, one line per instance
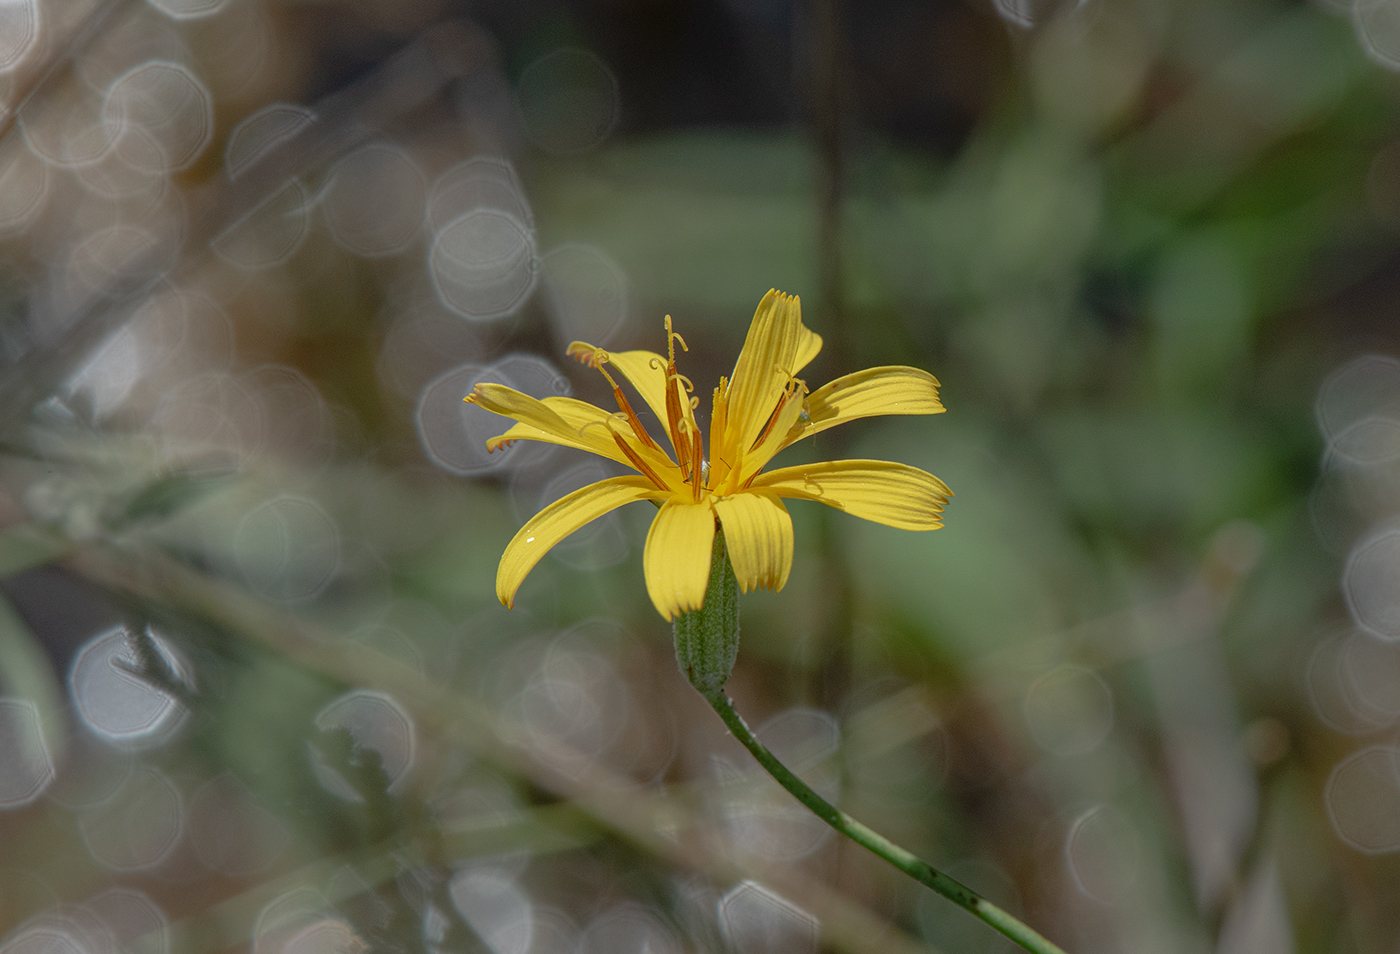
(677, 388)
(673, 421)
(597, 359)
(633, 420)
(777, 412)
(642, 466)
(677, 421)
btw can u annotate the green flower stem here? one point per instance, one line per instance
(956, 892)
(718, 621)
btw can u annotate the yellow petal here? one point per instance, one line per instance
(774, 440)
(543, 420)
(809, 345)
(758, 533)
(870, 393)
(568, 430)
(561, 518)
(893, 494)
(677, 556)
(646, 370)
(765, 362)
(568, 422)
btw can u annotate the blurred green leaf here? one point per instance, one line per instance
(25, 546)
(27, 671)
(168, 494)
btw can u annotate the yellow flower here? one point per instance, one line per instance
(761, 409)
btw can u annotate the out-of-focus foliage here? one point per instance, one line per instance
(255, 689)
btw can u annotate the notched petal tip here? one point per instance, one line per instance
(496, 398)
(584, 353)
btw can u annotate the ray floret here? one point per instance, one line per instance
(757, 411)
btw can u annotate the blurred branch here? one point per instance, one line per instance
(652, 823)
(542, 830)
(29, 82)
(405, 82)
(152, 667)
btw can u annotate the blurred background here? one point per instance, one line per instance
(256, 693)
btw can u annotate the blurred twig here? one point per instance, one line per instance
(405, 82)
(656, 825)
(542, 830)
(31, 80)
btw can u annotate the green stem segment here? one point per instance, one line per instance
(707, 640)
(714, 630)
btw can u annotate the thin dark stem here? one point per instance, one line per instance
(827, 70)
(961, 895)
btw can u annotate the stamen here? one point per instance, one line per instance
(597, 358)
(600, 361)
(719, 413)
(719, 440)
(674, 419)
(602, 424)
(788, 392)
(680, 421)
(642, 466)
(671, 338)
(697, 462)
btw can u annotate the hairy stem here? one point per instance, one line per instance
(706, 643)
(961, 895)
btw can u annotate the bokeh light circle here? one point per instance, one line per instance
(1069, 710)
(374, 200)
(168, 107)
(454, 433)
(483, 264)
(189, 9)
(375, 720)
(1371, 582)
(19, 31)
(288, 548)
(26, 765)
(118, 705)
(1363, 800)
(139, 826)
(569, 101)
(261, 132)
